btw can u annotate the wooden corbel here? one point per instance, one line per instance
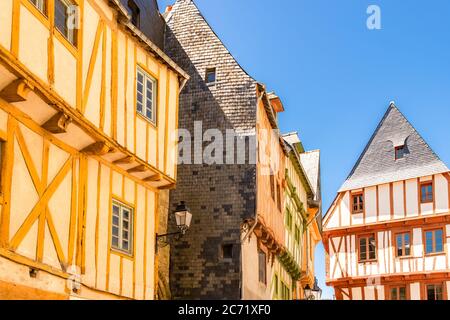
(153, 178)
(99, 148)
(168, 187)
(140, 168)
(16, 91)
(58, 123)
(126, 160)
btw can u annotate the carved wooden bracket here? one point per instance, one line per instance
(168, 187)
(58, 123)
(98, 148)
(16, 91)
(126, 160)
(140, 168)
(153, 178)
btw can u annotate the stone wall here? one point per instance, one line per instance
(220, 196)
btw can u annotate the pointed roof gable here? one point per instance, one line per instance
(377, 163)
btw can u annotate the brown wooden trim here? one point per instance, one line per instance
(411, 222)
(357, 194)
(357, 247)
(392, 278)
(444, 237)
(424, 284)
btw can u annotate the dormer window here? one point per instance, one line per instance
(135, 13)
(210, 76)
(400, 152)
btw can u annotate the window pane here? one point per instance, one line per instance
(429, 242)
(125, 245)
(399, 245)
(362, 249)
(115, 231)
(430, 292)
(438, 241)
(115, 221)
(402, 293)
(372, 248)
(394, 294)
(61, 17)
(438, 290)
(115, 242)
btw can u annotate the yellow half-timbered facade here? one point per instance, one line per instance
(88, 108)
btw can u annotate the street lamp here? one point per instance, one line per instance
(313, 294)
(183, 218)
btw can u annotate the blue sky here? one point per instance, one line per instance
(336, 77)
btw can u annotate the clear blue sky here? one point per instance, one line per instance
(336, 77)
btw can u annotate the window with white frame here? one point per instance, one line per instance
(40, 5)
(146, 95)
(63, 15)
(122, 227)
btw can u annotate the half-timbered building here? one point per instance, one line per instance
(88, 102)
(387, 232)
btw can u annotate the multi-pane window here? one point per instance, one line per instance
(64, 20)
(400, 152)
(122, 227)
(398, 293)
(367, 248)
(135, 13)
(403, 244)
(434, 241)
(426, 192)
(288, 220)
(358, 203)
(275, 286)
(262, 266)
(279, 196)
(146, 95)
(434, 292)
(272, 185)
(40, 5)
(285, 292)
(297, 234)
(210, 75)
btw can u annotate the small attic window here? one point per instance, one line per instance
(210, 75)
(135, 13)
(400, 152)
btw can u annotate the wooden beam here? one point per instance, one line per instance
(58, 123)
(98, 148)
(153, 178)
(126, 160)
(16, 91)
(139, 168)
(168, 187)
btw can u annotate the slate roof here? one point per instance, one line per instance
(377, 164)
(310, 161)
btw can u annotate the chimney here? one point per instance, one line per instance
(168, 9)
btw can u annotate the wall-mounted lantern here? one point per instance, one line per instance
(183, 218)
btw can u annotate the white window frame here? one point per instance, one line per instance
(121, 219)
(71, 34)
(39, 4)
(143, 105)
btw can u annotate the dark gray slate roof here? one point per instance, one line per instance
(377, 164)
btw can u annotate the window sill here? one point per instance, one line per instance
(405, 257)
(368, 261)
(140, 115)
(434, 254)
(123, 254)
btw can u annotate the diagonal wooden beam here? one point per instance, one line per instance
(56, 242)
(28, 161)
(58, 123)
(34, 214)
(98, 34)
(16, 91)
